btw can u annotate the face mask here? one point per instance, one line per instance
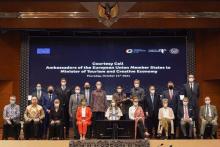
(50, 91)
(56, 105)
(113, 104)
(119, 90)
(87, 87)
(12, 102)
(135, 103)
(191, 79)
(63, 83)
(136, 85)
(77, 91)
(170, 86)
(152, 91)
(38, 88)
(98, 87)
(185, 103)
(207, 102)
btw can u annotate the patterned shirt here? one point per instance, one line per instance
(12, 112)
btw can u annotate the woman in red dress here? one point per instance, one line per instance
(83, 118)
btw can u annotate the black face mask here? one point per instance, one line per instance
(170, 86)
(87, 87)
(50, 91)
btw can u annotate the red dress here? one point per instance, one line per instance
(83, 122)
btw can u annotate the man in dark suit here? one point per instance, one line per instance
(191, 90)
(152, 103)
(138, 91)
(39, 93)
(173, 99)
(63, 93)
(87, 92)
(47, 103)
(186, 115)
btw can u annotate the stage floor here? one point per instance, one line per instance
(153, 143)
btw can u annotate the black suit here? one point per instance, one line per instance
(193, 95)
(64, 96)
(152, 108)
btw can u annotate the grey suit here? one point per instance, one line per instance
(73, 104)
(210, 118)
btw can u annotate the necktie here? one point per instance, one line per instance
(191, 86)
(152, 99)
(50, 97)
(171, 94)
(186, 115)
(77, 98)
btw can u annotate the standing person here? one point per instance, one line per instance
(83, 117)
(152, 103)
(11, 116)
(63, 93)
(47, 103)
(173, 100)
(56, 129)
(87, 93)
(136, 113)
(191, 90)
(98, 104)
(121, 101)
(208, 115)
(73, 104)
(39, 93)
(138, 91)
(33, 119)
(186, 116)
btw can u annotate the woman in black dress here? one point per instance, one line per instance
(56, 129)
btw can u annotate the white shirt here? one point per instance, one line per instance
(84, 112)
(132, 110)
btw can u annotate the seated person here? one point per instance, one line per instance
(83, 118)
(208, 115)
(136, 113)
(56, 128)
(166, 117)
(33, 119)
(11, 116)
(185, 115)
(113, 112)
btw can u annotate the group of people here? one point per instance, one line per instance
(154, 114)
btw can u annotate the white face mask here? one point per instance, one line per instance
(119, 90)
(191, 79)
(63, 83)
(152, 91)
(113, 104)
(38, 88)
(185, 103)
(12, 102)
(135, 104)
(56, 105)
(77, 91)
(98, 86)
(207, 102)
(136, 85)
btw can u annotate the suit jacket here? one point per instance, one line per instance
(74, 103)
(90, 96)
(193, 95)
(99, 101)
(64, 96)
(214, 112)
(40, 99)
(79, 117)
(139, 92)
(172, 102)
(47, 103)
(180, 113)
(152, 108)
